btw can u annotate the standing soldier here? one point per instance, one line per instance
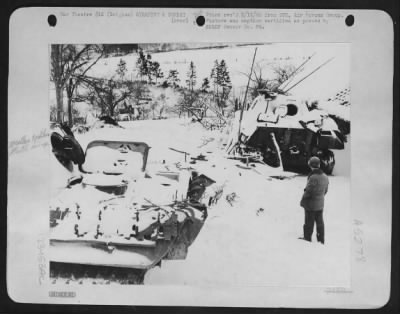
(313, 201)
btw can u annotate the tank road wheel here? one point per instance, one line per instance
(95, 274)
(327, 161)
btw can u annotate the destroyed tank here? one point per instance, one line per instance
(115, 213)
(283, 131)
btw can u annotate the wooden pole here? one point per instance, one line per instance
(245, 94)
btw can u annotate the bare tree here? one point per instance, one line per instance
(163, 104)
(56, 75)
(140, 92)
(258, 81)
(283, 72)
(69, 64)
(273, 80)
(153, 107)
(107, 93)
(195, 104)
(185, 103)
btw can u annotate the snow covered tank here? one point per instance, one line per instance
(115, 213)
(283, 131)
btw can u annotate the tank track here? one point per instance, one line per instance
(77, 274)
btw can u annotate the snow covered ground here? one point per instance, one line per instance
(241, 244)
(238, 247)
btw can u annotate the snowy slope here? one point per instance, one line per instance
(322, 84)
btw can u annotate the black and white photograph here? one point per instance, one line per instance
(244, 161)
(166, 153)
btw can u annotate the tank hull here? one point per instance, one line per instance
(116, 214)
(296, 146)
(143, 254)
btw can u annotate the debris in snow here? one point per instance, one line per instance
(260, 211)
(205, 142)
(230, 198)
(109, 120)
(282, 177)
(80, 128)
(243, 167)
(179, 151)
(200, 157)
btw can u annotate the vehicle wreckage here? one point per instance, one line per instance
(283, 131)
(113, 212)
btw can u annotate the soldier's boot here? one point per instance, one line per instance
(321, 234)
(307, 233)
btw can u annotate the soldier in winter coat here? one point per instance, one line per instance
(313, 201)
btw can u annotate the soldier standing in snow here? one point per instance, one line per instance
(313, 201)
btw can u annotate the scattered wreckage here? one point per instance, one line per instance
(114, 212)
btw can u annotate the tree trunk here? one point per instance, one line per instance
(110, 101)
(70, 119)
(60, 102)
(56, 62)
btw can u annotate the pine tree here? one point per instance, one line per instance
(141, 63)
(154, 67)
(214, 78)
(144, 65)
(156, 70)
(222, 83)
(192, 76)
(149, 69)
(224, 75)
(205, 85)
(173, 79)
(220, 75)
(214, 72)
